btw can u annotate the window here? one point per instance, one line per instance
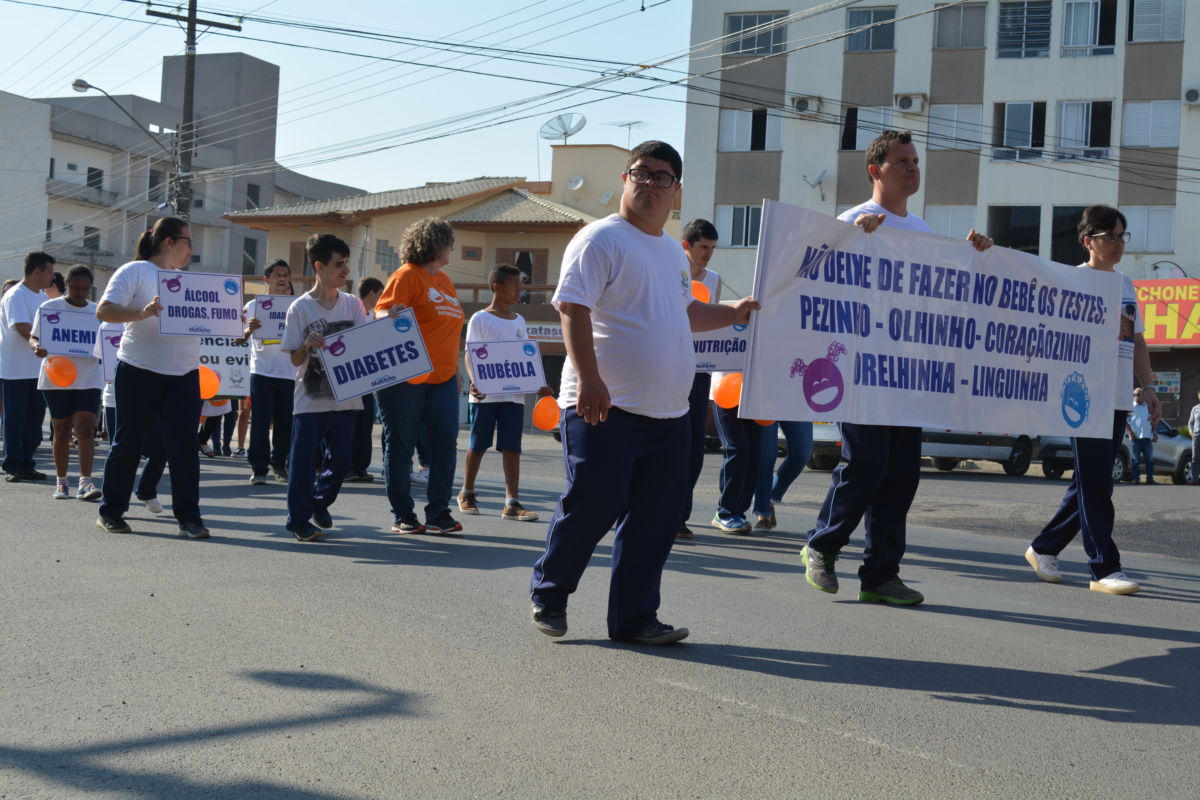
(955, 127)
(882, 37)
(386, 257)
(72, 167)
(471, 253)
(1019, 131)
(864, 124)
(953, 221)
(253, 192)
(249, 256)
(1017, 227)
(1156, 20)
(197, 202)
(1064, 236)
(961, 26)
(1151, 124)
(52, 168)
(761, 37)
(158, 189)
(1089, 27)
(49, 227)
(1084, 129)
(91, 238)
(742, 130)
(737, 226)
(1024, 29)
(1153, 228)
(95, 178)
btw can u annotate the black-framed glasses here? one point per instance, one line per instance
(187, 239)
(662, 180)
(1113, 237)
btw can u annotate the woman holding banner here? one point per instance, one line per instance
(157, 381)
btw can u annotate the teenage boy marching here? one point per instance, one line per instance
(501, 414)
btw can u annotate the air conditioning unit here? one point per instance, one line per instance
(909, 103)
(1191, 96)
(806, 106)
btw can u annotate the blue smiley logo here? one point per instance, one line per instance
(1076, 400)
(529, 350)
(231, 286)
(739, 327)
(402, 324)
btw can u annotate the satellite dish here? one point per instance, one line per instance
(575, 183)
(563, 126)
(604, 198)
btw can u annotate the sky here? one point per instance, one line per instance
(405, 71)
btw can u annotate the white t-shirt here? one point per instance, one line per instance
(638, 288)
(20, 304)
(313, 393)
(484, 326)
(135, 285)
(1131, 324)
(909, 223)
(268, 360)
(88, 374)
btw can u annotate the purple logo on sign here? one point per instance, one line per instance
(337, 348)
(481, 352)
(115, 341)
(266, 304)
(174, 285)
(823, 383)
(53, 317)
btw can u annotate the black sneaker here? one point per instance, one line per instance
(684, 532)
(193, 529)
(818, 569)
(258, 479)
(408, 524)
(442, 523)
(226, 451)
(892, 592)
(551, 623)
(113, 525)
(306, 532)
(359, 477)
(322, 519)
(657, 633)
(281, 473)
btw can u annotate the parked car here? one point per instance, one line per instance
(945, 447)
(827, 446)
(1172, 455)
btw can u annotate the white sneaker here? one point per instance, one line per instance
(87, 490)
(153, 505)
(1116, 583)
(1046, 567)
(420, 476)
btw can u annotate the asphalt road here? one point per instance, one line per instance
(374, 666)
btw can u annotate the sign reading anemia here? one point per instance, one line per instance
(1171, 311)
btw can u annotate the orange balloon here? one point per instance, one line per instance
(729, 390)
(210, 382)
(765, 422)
(700, 292)
(219, 403)
(61, 371)
(545, 414)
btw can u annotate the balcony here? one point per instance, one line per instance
(1016, 154)
(1081, 153)
(80, 193)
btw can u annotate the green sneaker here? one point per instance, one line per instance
(818, 569)
(892, 592)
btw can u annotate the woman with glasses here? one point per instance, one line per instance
(157, 381)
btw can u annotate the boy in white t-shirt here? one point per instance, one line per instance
(501, 414)
(272, 385)
(24, 406)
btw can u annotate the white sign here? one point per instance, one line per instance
(903, 328)
(106, 348)
(67, 333)
(199, 304)
(271, 311)
(231, 362)
(513, 367)
(374, 355)
(722, 350)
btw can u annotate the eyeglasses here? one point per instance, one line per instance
(187, 239)
(662, 180)
(1112, 237)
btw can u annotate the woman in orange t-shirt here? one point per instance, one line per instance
(430, 400)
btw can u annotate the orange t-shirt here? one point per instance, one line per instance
(439, 315)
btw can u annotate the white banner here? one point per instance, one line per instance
(544, 331)
(199, 304)
(110, 342)
(231, 362)
(903, 328)
(271, 310)
(722, 350)
(506, 367)
(67, 333)
(374, 355)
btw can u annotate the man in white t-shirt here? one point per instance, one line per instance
(272, 384)
(24, 406)
(878, 479)
(624, 295)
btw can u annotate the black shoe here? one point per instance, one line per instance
(322, 519)
(359, 477)
(684, 532)
(281, 473)
(193, 529)
(226, 451)
(408, 524)
(306, 532)
(551, 623)
(656, 633)
(113, 525)
(19, 475)
(12, 477)
(442, 523)
(893, 592)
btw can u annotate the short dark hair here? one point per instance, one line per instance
(424, 241)
(502, 272)
(660, 150)
(699, 229)
(11, 282)
(369, 285)
(150, 241)
(321, 247)
(79, 271)
(1099, 219)
(59, 283)
(279, 262)
(36, 260)
(877, 150)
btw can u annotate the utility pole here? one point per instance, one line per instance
(187, 131)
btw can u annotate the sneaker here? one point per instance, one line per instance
(442, 523)
(551, 623)
(1116, 583)
(225, 451)
(153, 505)
(193, 529)
(466, 503)
(61, 492)
(684, 532)
(420, 475)
(892, 592)
(240, 452)
(732, 524)
(518, 512)
(258, 479)
(281, 473)
(1045, 567)
(656, 633)
(408, 524)
(87, 490)
(113, 525)
(818, 569)
(306, 532)
(765, 522)
(206, 451)
(322, 519)
(359, 477)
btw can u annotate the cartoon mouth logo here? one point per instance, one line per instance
(115, 341)
(435, 296)
(823, 384)
(337, 348)
(1076, 400)
(529, 350)
(739, 327)
(480, 352)
(174, 285)
(402, 324)
(53, 317)
(231, 286)
(266, 304)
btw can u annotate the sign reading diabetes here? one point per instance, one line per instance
(513, 367)
(373, 355)
(271, 310)
(67, 333)
(199, 304)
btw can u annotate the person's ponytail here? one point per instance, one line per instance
(150, 241)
